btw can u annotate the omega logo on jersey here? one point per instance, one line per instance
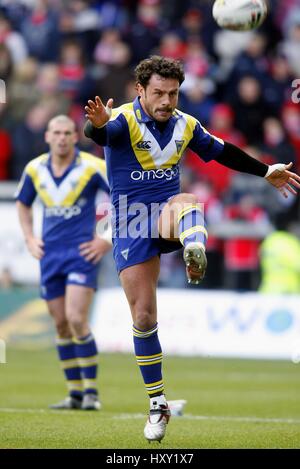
(168, 174)
(144, 145)
(65, 212)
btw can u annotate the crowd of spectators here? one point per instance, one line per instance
(54, 55)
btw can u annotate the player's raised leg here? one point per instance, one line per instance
(78, 302)
(67, 356)
(182, 219)
(139, 283)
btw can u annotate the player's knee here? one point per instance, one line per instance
(77, 324)
(62, 328)
(189, 198)
(144, 320)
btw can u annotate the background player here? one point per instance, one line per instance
(67, 181)
(144, 142)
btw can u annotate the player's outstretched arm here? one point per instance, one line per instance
(97, 113)
(284, 180)
(277, 174)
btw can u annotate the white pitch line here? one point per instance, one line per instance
(129, 416)
(217, 418)
(9, 410)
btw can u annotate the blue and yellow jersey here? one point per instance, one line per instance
(143, 156)
(68, 201)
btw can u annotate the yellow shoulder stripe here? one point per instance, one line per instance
(143, 156)
(32, 171)
(98, 163)
(121, 110)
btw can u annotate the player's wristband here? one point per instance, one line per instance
(273, 167)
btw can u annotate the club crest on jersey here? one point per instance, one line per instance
(144, 145)
(179, 145)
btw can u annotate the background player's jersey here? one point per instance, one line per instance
(143, 155)
(68, 201)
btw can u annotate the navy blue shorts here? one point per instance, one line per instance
(62, 266)
(129, 250)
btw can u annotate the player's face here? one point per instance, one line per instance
(61, 138)
(160, 97)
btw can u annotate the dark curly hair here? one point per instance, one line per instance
(165, 67)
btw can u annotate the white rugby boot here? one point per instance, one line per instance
(156, 424)
(195, 261)
(69, 403)
(91, 402)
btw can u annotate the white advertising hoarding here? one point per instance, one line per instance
(14, 254)
(224, 324)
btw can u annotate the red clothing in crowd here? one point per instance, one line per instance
(242, 253)
(5, 154)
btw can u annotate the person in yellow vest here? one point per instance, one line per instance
(280, 263)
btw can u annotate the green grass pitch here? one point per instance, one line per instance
(230, 404)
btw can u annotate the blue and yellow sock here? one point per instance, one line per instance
(87, 356)
(149, 358)
(69, 363)
(191, 225)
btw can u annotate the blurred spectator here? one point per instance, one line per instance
(75, 79)
(13, 40)
(227, 47)
(291, 122)
(275, 143)
(280, 262)
(173, 11)
(5, 154)
(49, 85)
(171, 45)
(113, 55)
(198, 22)
(22, 92)
(252, 61)
(284, 12)
(221, 125)
(79, 20)
(241, 253)
(195, 101)
(277, 88)
(15, 10)
(111, 50)
(291, 45)
(114, 14)
(6, 63)
(192, 23)
(197, 61)
(250, 109)
(40, 31)
(28, 137)
(146, 30)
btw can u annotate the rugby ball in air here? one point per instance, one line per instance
(239, 15)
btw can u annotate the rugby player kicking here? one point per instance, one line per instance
(144, 142)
